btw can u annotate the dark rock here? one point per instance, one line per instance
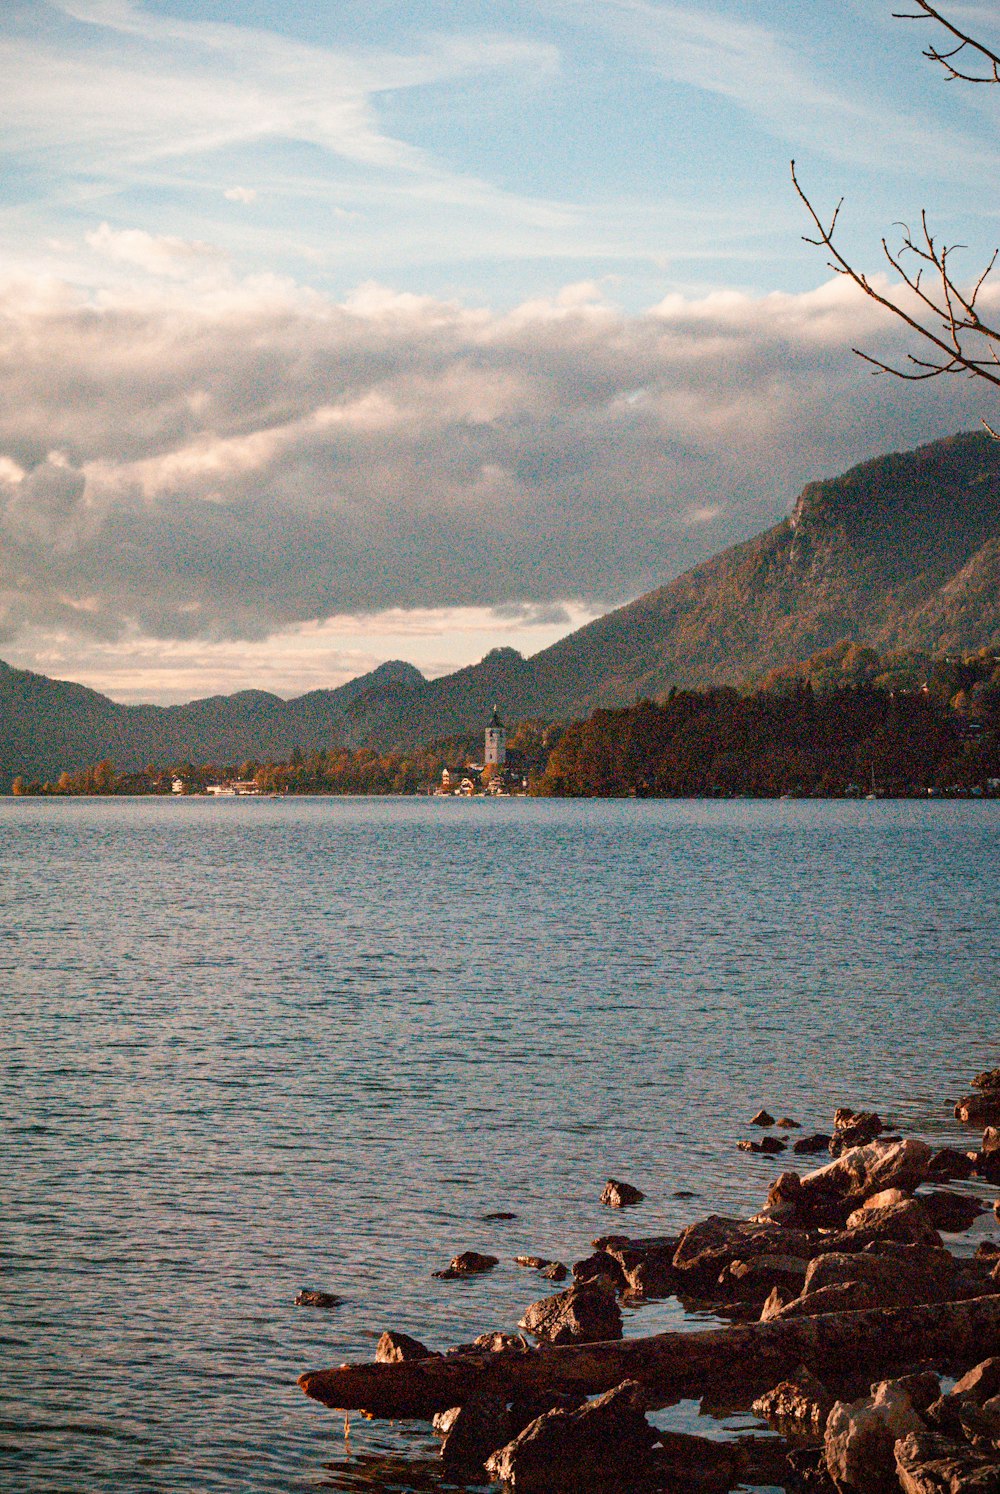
(555, 1271)
(317, 1299)
(706, 1247)
(601, 1266)
(587, 1313)
(498, 1217)
(927, 1463)
(987, 1165)
(646, 1265)
(787, 1124)
(500, 1343)
(905, 1223)
(894, 1280)
(980, 1384)
(952, 1212)
(398, 1348)
(533, 1262)
(586, 1449)
(860, 1438)
(853, 1128)
(988, 1079)
(604, 1241)
(847, 1296)
(802, 1402)
(949, 1165)
(469, 1263)
(695, 1464)
(805, 1145)
(987, 1250)
(786, 1188)
(991, 1139)
(753, 1280)
(528, 1408)
(772, 1145)
(482, 1424)
(684, 1193)
(979, 1110)
(762, 1118)
(807, 1467)
(618, 1195)
(749, 1146)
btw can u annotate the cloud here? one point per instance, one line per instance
(240, 194)
(160, 254)
(245, 460)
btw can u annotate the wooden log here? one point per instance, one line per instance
(746, 1358)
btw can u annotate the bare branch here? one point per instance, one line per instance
(965, 43)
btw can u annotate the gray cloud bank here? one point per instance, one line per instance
(225, 460)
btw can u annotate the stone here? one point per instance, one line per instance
(980, 1384)
(587, 1313)
(762, 1118)
(480, 1425)
(398, 1348)
(853, 1128)
(982, 1109)
(808, 1468)
(802, 1402)
(601, 1266)
(786, 1188)
(846, 1296)
(706, 1247)
(865, 1170)
(646, 1265)
(906, 1223)
(772, 1145)
(896, 1280)
(443, 1421)
(500, 1343)
(987, 1165)
(619, 1195)
(817, 1142)
(753, 1280)
(749, 1146)
(988, 1079)
(787, 1124)
(317, 1299)
(927, 1463)
(885, 1198)
(860, 1438)
(948, 1165)
(991, 1139)
(952, 1212)
(555, 1271)
(695, 1464)
(777, 1300)
(498, 1216)
(533, 1262)
(586, 1449)
(469, 1263)
(987, 1250)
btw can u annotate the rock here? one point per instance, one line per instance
(952, 1212)
(906, 1223)
(865, 1170)
(979, 1110)
(987, 1250)
(987, 1165)
(646, 1265)
(991, 1139)
(803, 1402)
(808, 1469)
(948, 1165)
(317, 1299)
(586, 1449)
(981, 1424)
(480, 1426)
(443, 1421)
(587, 1313)
(749, 1146)
(706, 1247)
(786, 1188)
(753, 1280)
(980, 1384)
(777, 1300)
(896, 1280)
(695, 1464)
(817, 1142)
(885, 1198)
(604, 1242)
(469, 1263)
(773, 1145)
(847, 1296)
(555, 1271)
(618, 1195)
(853, 1128)
(500, 1343)
(859, 1442)
(533, 1262)
(498, 1216)
(397, 1348)
(762, 1118)
(787, 1124)
(988, 1079)
(927, 1463)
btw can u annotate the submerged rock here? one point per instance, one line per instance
(787, 1124)
(952, 1212)
(469, 1263)
(318, 1299)
(817, 1142)
(762, 1118)
(948, 1165)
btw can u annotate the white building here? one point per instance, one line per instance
(496, 742)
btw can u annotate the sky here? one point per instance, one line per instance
(333, 333)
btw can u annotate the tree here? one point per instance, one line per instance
(944, 314)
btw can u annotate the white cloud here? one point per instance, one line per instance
(160, 254)
(240, 194)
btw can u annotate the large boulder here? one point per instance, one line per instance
(853, 1128)
(399, 1348)
(982, 1109)
(586, 1314)
(801, 1404)
(864, 1170)
(586, 1449)
(893, 1280)
(927, 1463)
(860, 1438)
(646, 1265)
(478, 1427)
(904, 1223)
(706, 1247)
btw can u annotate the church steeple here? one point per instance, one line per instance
(495, 754)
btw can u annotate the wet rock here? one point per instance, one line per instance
(853, 1128)
(498, 1217)
(533, 1262)
(587, 1313)
(952, 1212)
(982, 1109)
(948, 1165)
(646, 1265)
(802, 1402)
(927, 1463)
(769, 1145)
(777, 1300)
(817, 1142)
(884, 1199)
(695, 1464)
(865, 1170)
(991, 1139)
(443, 1421)
(988, 1079)
(601, 1266)
(894, 1280)
(501, 1343)
(555, 1271)
(399, 1348)
(619, 1195)
(586, 1449)
(986, 1165)
(317, 1299)
(762, 1118)
(787, 1124)
(749, 1146)
(988, 1250)
(480, 1425)
(860, 1438)
(604, 1242)
(754, 1280)
(981, 1424)
(847, 1296)
(980, 1384)
(905, 1223)
(705, 1248)
(807, 1471)
(469, 1263)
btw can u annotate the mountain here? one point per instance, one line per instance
(901, 552)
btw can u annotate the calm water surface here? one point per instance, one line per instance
(254, 1046)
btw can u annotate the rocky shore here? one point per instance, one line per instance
(868, 1349)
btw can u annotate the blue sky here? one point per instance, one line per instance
(378, 328)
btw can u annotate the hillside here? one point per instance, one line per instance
(901, 552)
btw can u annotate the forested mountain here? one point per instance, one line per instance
(900, 553)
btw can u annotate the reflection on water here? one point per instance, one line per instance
(253, 1047)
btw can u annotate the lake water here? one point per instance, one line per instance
(255, 1046)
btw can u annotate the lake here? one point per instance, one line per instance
(252, 1046)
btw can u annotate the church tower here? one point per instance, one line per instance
(496, 742)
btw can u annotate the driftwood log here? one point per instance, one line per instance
(746, 1358)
